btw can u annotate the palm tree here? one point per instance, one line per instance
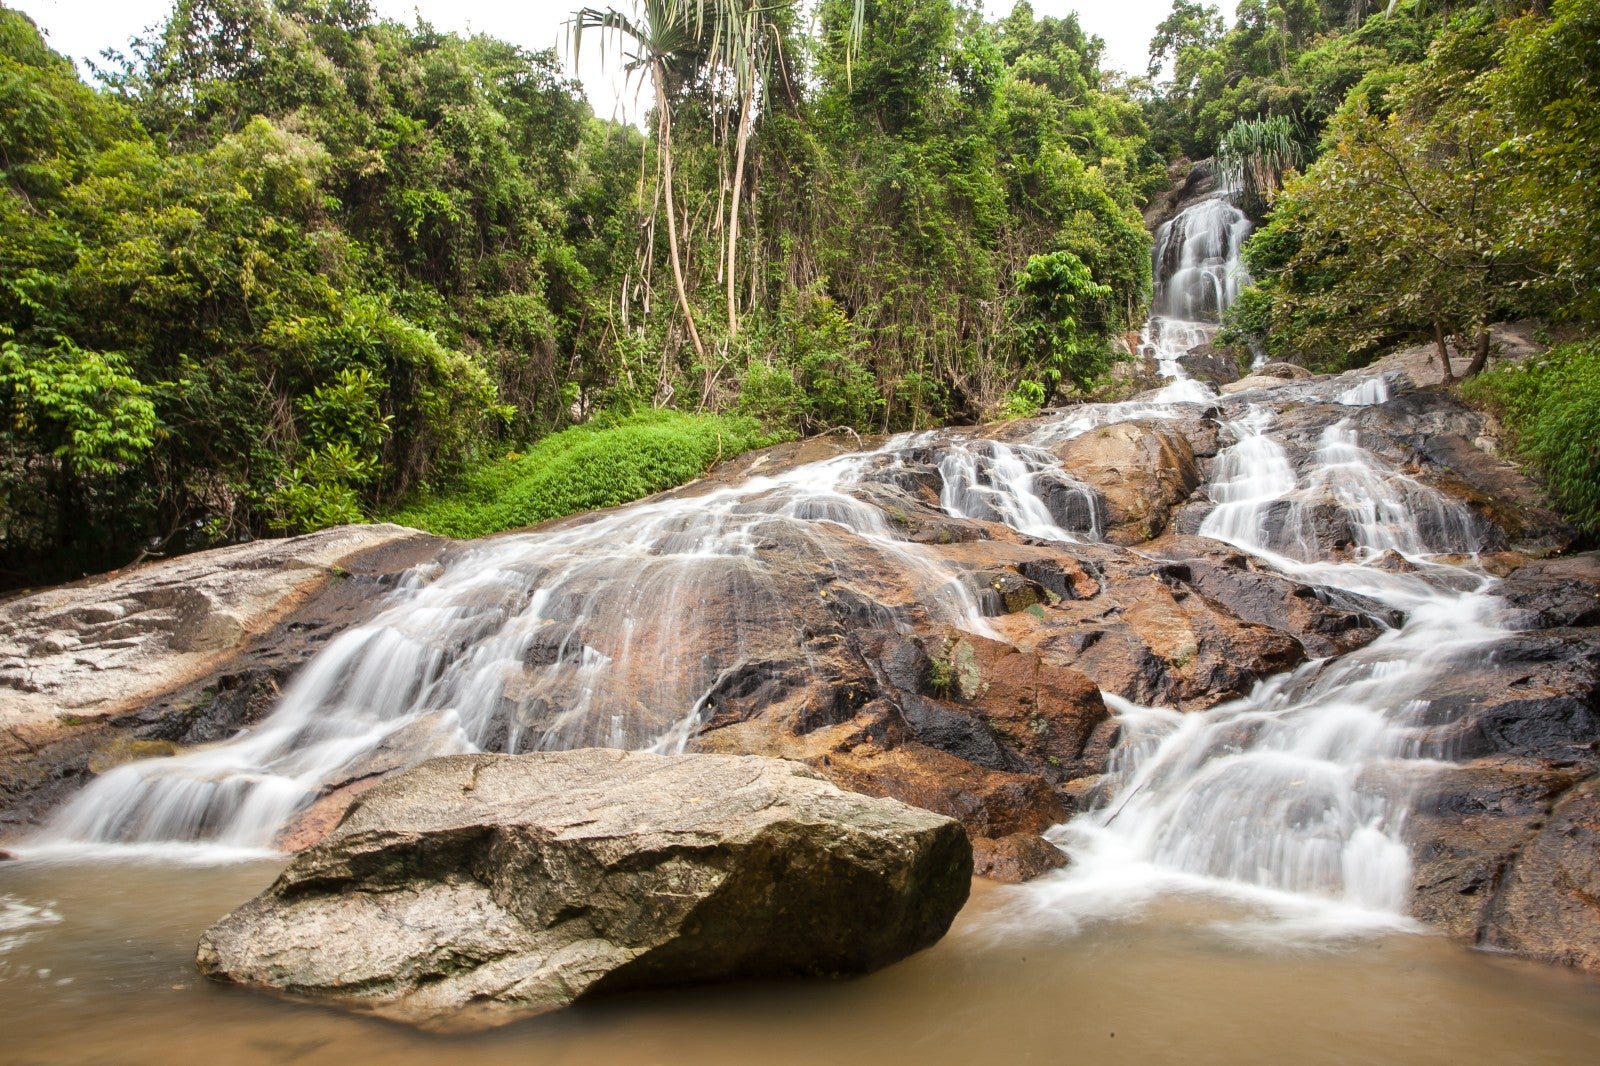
(666, 33)
(734, 35)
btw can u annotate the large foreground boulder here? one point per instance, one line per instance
(477, 889)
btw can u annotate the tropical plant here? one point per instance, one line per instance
(1255, 155)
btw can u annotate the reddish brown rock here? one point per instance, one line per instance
(1016, 858)
(988, 802)
(1142, 471)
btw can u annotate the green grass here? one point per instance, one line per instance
(601, 464)
(1551, 408)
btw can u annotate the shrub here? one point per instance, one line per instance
(604, 463)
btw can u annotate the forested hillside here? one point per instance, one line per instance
(292, 265)
(285, 265)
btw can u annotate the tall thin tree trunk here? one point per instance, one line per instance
(664, 122)
(1480, 354)
(733, 215)
(1444, 349)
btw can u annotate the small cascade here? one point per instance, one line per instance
(1295, 796)
(1366, 392)
(1023, 487)
(593, 635)
(1346, 500)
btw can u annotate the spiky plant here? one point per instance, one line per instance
(1255, 155)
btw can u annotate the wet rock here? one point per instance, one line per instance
(1467, 830)
(1142, 471)
(147, 695)
(1533, 694)
(1042, 714)
(1324, 621)
(474, 890)
(1215, 366)
(1554, 593)
(1550, 905)
(1448, 445)
(124, 750)
(1013, 859)
(989, 803)
(110, 646)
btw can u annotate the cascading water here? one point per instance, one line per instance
(995, 482)
(1199, 272)
(1296, 793)
(594, 635)
(1198, 268)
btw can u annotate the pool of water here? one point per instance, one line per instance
(96, 966)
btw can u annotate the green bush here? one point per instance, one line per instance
(604, 463)
(1551, 408)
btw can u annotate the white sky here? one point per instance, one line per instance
(83, 28)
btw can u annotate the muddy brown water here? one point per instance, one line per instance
(111, 980)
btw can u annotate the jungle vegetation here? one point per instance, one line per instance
(283, 264)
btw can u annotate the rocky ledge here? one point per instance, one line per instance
(477, 889)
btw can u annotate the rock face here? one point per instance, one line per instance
(175, 653)
(1142, 470)
(102, 648)
(477, 889)
(1216, 366)
(1506, 845)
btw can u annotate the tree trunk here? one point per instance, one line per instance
(1444, 349)
(1480, 354)
(733, 215)
(665, 124)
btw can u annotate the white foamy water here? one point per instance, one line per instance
(1198, 269)
(996, 482)
(21, 920)
(593, 635)
(1293, 799)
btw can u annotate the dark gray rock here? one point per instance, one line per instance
(1217, 366)
(1550, 906)
(1467, 830)
(1554, 593)
(1535, 693)
(477, 889)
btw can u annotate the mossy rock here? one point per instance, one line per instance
(125, 750)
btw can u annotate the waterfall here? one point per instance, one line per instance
(1198, 272)
(1296, 795)
(591, 635)
(1197, 266)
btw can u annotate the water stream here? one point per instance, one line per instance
(1230, 841)
(563, 639)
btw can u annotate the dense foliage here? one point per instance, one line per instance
(1450, 198)
(290, 264)
(287, 264)
(1551, 406)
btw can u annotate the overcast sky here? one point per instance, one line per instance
(83, 28)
